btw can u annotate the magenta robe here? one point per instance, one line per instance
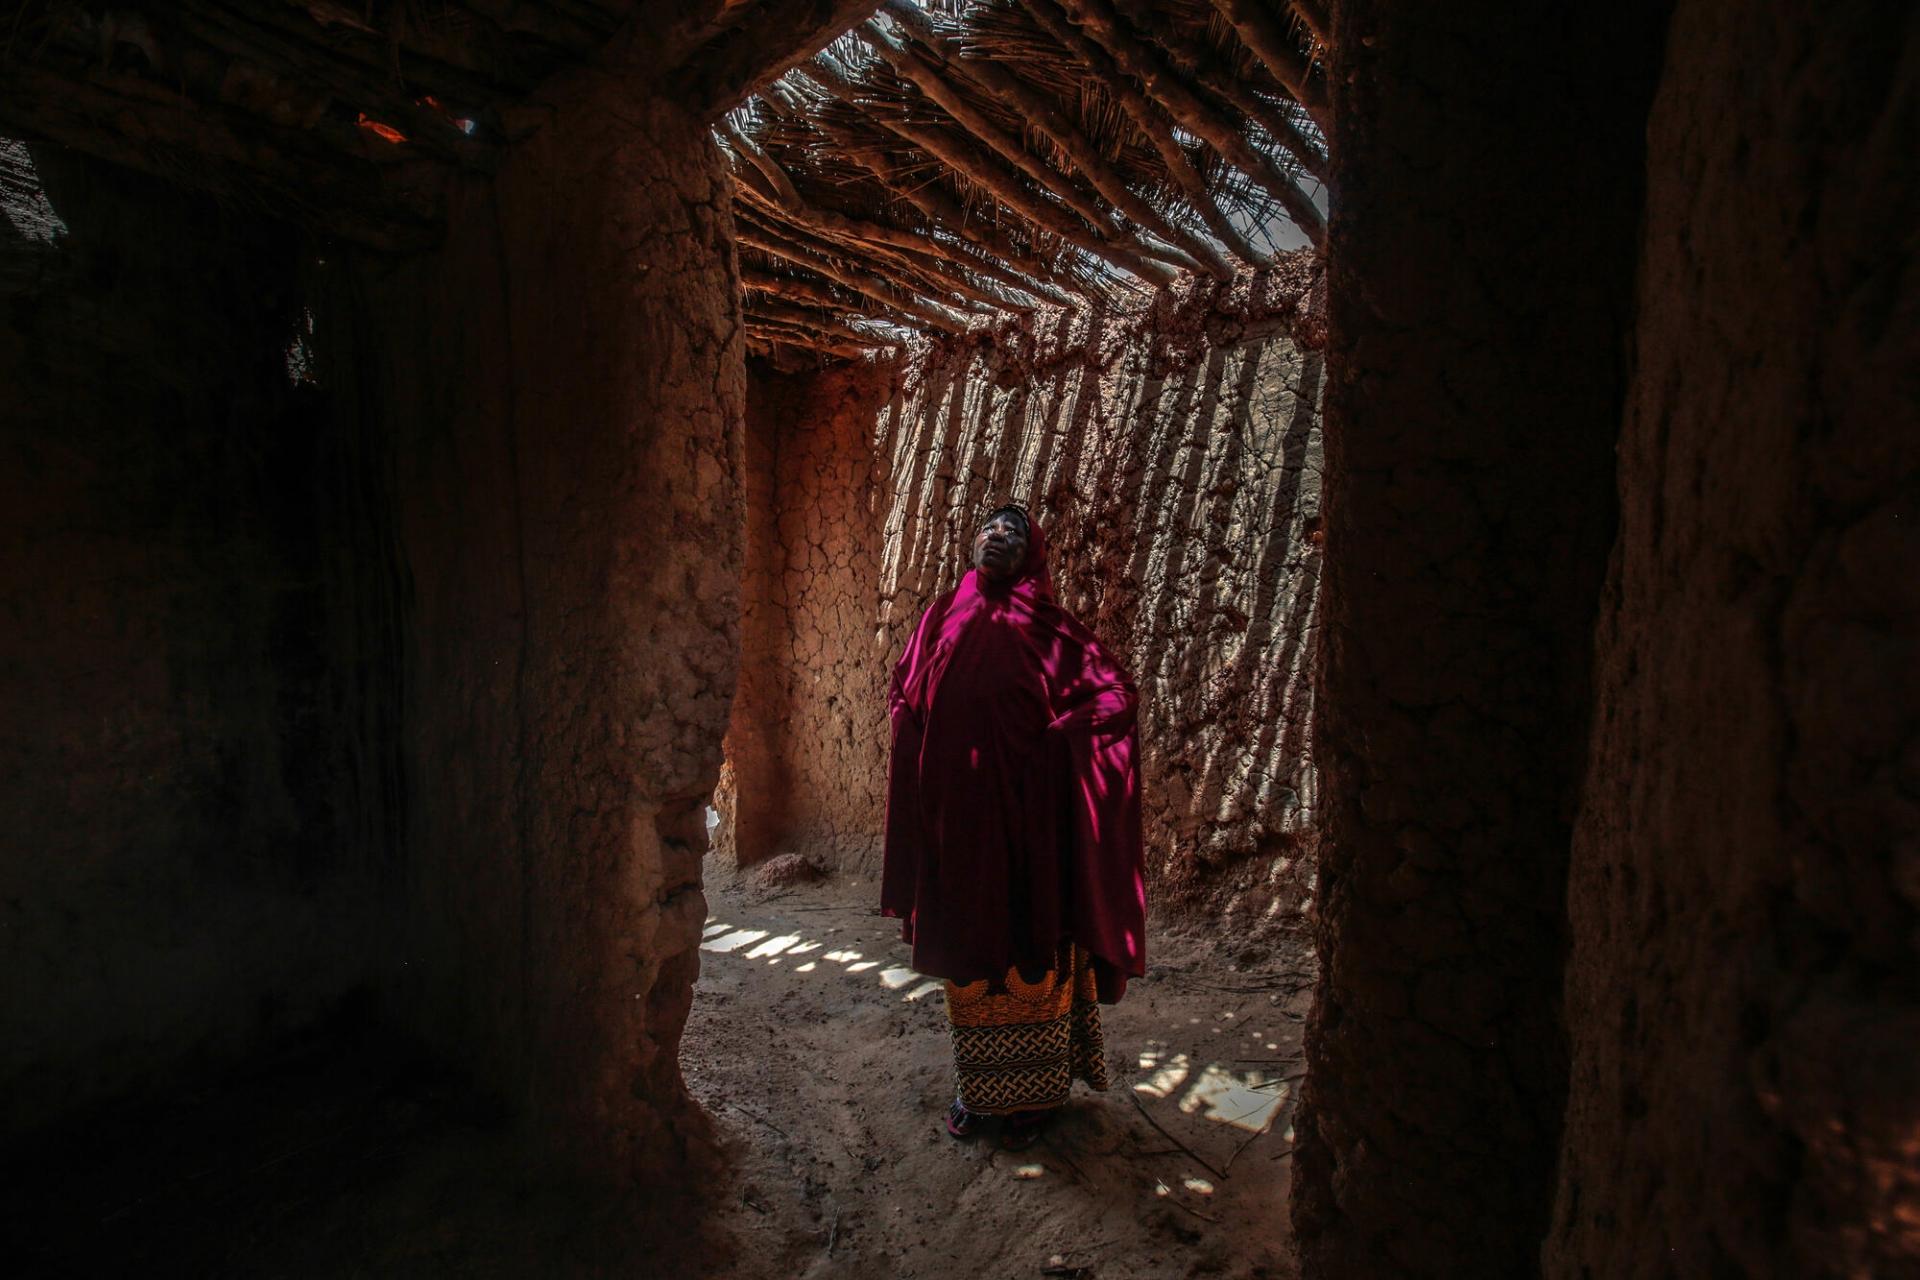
(1013, 798)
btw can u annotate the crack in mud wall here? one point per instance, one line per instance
(560, 389)
(1743, 993)
(1176, 466)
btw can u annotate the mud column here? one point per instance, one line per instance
(564, 385)
(1480, 279)
(1744, 983)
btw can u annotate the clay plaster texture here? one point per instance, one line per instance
(560, 387)
(1475, 332)
(1743, 993)
(1176, 463)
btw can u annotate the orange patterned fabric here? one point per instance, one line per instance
(1022, 1048)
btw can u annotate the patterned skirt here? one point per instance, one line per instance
(1021, 1049)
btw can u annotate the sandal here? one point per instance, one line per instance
(1023, 1128)
(961, 1123)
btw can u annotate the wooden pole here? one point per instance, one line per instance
(1313, 16)
(864, 283)
(1143, 62)
(911, 64)
(801, 338)
(830, 323)
(816, 294)
(1208, 70)
(927, 254)
(1273, 44)
(1045, 114)
(1004, 186)
(944, 212)
(919, 273)
(1151, 120)
(765, 41)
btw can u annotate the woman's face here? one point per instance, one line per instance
(1000, 548)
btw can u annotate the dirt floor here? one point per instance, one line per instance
(824, 1061)
(822, 1058)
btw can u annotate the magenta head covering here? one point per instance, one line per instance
(1013, 804)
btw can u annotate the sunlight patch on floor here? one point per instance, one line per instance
(743, 943)
(732, 941)
(1227, 1098)
(1243, 1099)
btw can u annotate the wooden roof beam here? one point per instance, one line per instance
(1003, 185)
(770, 39)
(783, 191)
(768, 222)
(790, 336)
(816, 292)
(812, 291)
(580, 35)
(919, 273)
(1273, 44)
(1144, 63)
(911, 64)
(924, 254)
(860, 282)
(1313, 16)
(770, 308)
(1151, 119)
(1045, 114)
(928, 260)
(678, 29)
(1217, 76)
(943, 211)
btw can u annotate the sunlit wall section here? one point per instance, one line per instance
(1175, 462)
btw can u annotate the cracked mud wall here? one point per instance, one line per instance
(1175, 462)
(1743, 992)
(1479, 296)
(560, 389)
(800, 747)
(192, 824)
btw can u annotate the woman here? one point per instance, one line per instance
(1013, 831)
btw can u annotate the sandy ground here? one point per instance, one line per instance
(824, 1061)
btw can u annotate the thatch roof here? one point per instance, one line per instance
(951, 162)
(937, 167)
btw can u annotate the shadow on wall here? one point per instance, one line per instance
(1180, 485)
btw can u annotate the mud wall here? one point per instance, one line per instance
(560, 394)
(1743, 993)
(1479, 292)
(191, 829)
(802, 733)
(1175, 463)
